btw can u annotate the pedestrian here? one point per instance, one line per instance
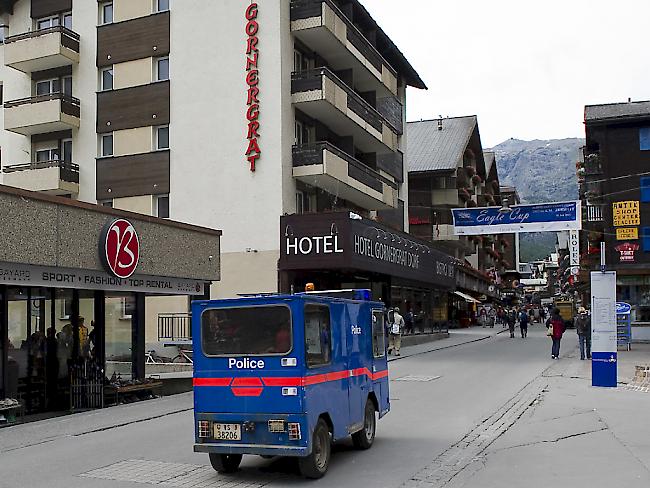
(523, 323)
(395, 337)
(511, 319)
(492, 317)
(501, 317)
(583, 329)
(555, 324)
(482, 317)
(409, 321)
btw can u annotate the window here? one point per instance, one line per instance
(106, 15)
(127, 306)
(378, 334)
(67, 85)
(162, 206)
(300, 61)
(66, 146)
(107, 145)
(162, 69)
(48, 87)
(318, 335)
(47, 22)
(67, 20)
(645, 238)
(645, 188)
(302, 133)
(162, 137)
(644, 138)
(305, 202)
(300, 209)
(162, 5)
(106, 82)
(44, 155)
(255, 331)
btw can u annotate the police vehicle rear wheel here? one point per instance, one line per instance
(225, 463)
(315, 465)
(366, 436)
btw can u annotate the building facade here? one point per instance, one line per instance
(615, 189)
(276, 107)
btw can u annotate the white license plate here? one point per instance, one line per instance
(227, 432)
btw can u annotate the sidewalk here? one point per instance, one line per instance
(572, 434)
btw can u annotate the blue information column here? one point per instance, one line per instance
(603, 329)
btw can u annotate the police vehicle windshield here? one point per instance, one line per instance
(258, 331)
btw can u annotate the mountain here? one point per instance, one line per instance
(542, 171)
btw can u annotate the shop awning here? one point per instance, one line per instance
(467, 298)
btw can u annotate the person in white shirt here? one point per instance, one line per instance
(395, 333)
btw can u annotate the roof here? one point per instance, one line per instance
(490, 159)
(432, 149)
(388, 49)
(616, 111)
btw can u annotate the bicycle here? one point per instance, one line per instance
(151, 357)
(184, 356)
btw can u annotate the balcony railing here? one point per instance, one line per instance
(305, 9)
(312, 79)
(69, 38)
(594, 213)
(308, 154)
(175, 327)
(68, 171)
(69, 105)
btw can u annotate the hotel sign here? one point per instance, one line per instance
(345, 242)
(253, 151)
(626, 213)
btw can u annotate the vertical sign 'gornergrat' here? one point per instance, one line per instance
(253, 152)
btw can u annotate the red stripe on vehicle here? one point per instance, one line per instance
(244, 381)
(211, 381)
(247, 392)
(380, 374)
(282, 381)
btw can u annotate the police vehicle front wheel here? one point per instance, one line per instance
(225, 463)
(315, 465)
(366, 436)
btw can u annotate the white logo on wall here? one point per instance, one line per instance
(316, 245)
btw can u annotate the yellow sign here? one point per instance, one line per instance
(627, 234)
(626, 213)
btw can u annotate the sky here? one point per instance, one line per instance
(525, 68)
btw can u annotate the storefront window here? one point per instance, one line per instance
(119, 335)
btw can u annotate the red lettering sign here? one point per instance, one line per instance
(253, 151)
(120, 248)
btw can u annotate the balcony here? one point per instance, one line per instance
(42, 114)
(594, 213)
(322, 26)
(325, 166)
(52, 177)
(43, 49)
(323, 96)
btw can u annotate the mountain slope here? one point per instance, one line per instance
(542, 171)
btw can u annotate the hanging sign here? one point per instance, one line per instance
(626, 213)
(603, 329)
(626, 252)
(574, 248)
(627, 233)
(253, 151)
(623, 308)
(519, 218)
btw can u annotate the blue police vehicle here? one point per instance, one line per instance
(286, 375)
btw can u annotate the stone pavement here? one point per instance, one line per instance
(557, 431)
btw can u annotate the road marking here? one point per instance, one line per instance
(412, 377)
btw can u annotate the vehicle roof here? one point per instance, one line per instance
(277, 298)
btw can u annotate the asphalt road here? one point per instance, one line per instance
(467, 385)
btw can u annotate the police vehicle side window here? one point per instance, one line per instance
(318, 335)
(378, 334)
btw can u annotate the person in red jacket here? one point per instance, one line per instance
(556, 324)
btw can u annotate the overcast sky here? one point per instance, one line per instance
(526, 68)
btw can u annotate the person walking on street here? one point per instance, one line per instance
(511, 318)
(492, 317)
(396, 329)
(523, 324)
(409, 321)
(555, 323)
(583, 328)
